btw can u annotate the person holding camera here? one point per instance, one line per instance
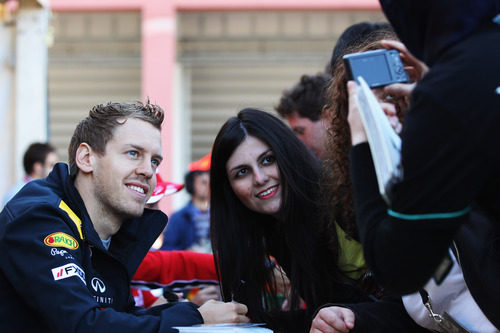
(448, 197)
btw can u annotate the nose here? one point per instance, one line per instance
(145, 168)
(260, 177)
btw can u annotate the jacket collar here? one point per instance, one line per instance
(135, 237)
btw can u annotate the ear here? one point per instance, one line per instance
(85, 159)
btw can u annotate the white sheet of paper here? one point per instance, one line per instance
(229, 328)
(385, 144)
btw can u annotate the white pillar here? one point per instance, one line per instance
(6, 107)
(30, 120)
(182, 132)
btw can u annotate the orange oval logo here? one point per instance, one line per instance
(60, 239)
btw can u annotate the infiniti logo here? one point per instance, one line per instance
(98, 285)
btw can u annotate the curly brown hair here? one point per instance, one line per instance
(336, 182)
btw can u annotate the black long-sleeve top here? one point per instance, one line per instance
(451, 162)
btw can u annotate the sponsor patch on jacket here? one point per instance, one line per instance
(60, 239)
(68, 270)
(59, 252)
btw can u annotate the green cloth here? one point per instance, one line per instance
(351, 259)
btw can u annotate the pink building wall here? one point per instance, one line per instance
(159, 42)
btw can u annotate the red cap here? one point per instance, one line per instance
(203, 164)
(163, 188)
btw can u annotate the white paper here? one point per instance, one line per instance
(228, 328)
(385, 144)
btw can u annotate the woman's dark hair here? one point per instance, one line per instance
(243, 240)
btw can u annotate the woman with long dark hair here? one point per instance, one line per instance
(264, 192)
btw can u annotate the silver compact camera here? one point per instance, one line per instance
(378, 68)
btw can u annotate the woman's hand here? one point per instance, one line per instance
(333, 319)
(415, 68)
(358, 134)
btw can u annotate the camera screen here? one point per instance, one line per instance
(374, 69)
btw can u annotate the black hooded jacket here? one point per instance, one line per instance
(450, 155)
(429, 27)
(56, 275)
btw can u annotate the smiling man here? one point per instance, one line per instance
(70, 243)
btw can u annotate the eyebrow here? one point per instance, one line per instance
(258, 158)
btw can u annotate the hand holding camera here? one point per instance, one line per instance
(392, 70)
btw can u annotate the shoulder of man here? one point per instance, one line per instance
(39, 208)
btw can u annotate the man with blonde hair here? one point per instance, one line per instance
(70, 243)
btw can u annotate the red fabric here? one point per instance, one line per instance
(203, 164)
(166, 267)
(143, 298)
(169, 267)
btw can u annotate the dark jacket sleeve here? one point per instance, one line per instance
(387, 315)
(402, 254)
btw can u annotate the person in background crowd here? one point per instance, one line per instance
(163, 188)
(264, 195)
(70, 243)
(302, 107)
(188, 228)
(38, 161)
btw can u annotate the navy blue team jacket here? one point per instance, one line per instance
(56, 276)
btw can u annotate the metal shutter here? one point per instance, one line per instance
(232, 60)
(96, 58)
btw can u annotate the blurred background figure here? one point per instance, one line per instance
(162, 189)
(302, 106)
(38, 161)
(189, 228)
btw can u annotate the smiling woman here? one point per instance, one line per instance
(264, 184)
(254, 176)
